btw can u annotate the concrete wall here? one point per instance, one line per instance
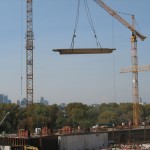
(5, 147)
(83, 142)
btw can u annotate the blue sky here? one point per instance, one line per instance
(81, 78)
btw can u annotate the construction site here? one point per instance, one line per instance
(132, 136)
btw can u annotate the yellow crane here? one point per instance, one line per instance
(134, 58)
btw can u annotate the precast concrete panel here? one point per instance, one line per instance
(83, 142)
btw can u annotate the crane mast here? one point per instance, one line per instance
(134, 58)
(135, 87)
(29, 53)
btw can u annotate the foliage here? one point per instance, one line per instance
(74, 115)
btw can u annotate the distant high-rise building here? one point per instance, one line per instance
(23, 102)
(1, 98)
(18, 102)
(62, 106)
(43, 101)
(4, 99)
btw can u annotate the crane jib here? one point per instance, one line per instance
(119, 18)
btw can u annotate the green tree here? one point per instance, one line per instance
(92, 115)
(108, 113)
(125, 112)
(75, 113)
(61, 119)
(52, 115)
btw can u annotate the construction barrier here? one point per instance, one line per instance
(13, 141)
(23, 133)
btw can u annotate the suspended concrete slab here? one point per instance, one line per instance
(85, 51)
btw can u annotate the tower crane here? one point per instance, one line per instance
(134, 58)
(29, 53)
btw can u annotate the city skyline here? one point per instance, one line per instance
(4, 99)
(81, 78)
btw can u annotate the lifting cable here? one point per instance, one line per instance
(114, 64)
(127, 14)
(21, 49)
(76, 24)
(91, 22)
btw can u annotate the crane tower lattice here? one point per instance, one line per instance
(29, 53)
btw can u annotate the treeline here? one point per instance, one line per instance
(74, 115)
